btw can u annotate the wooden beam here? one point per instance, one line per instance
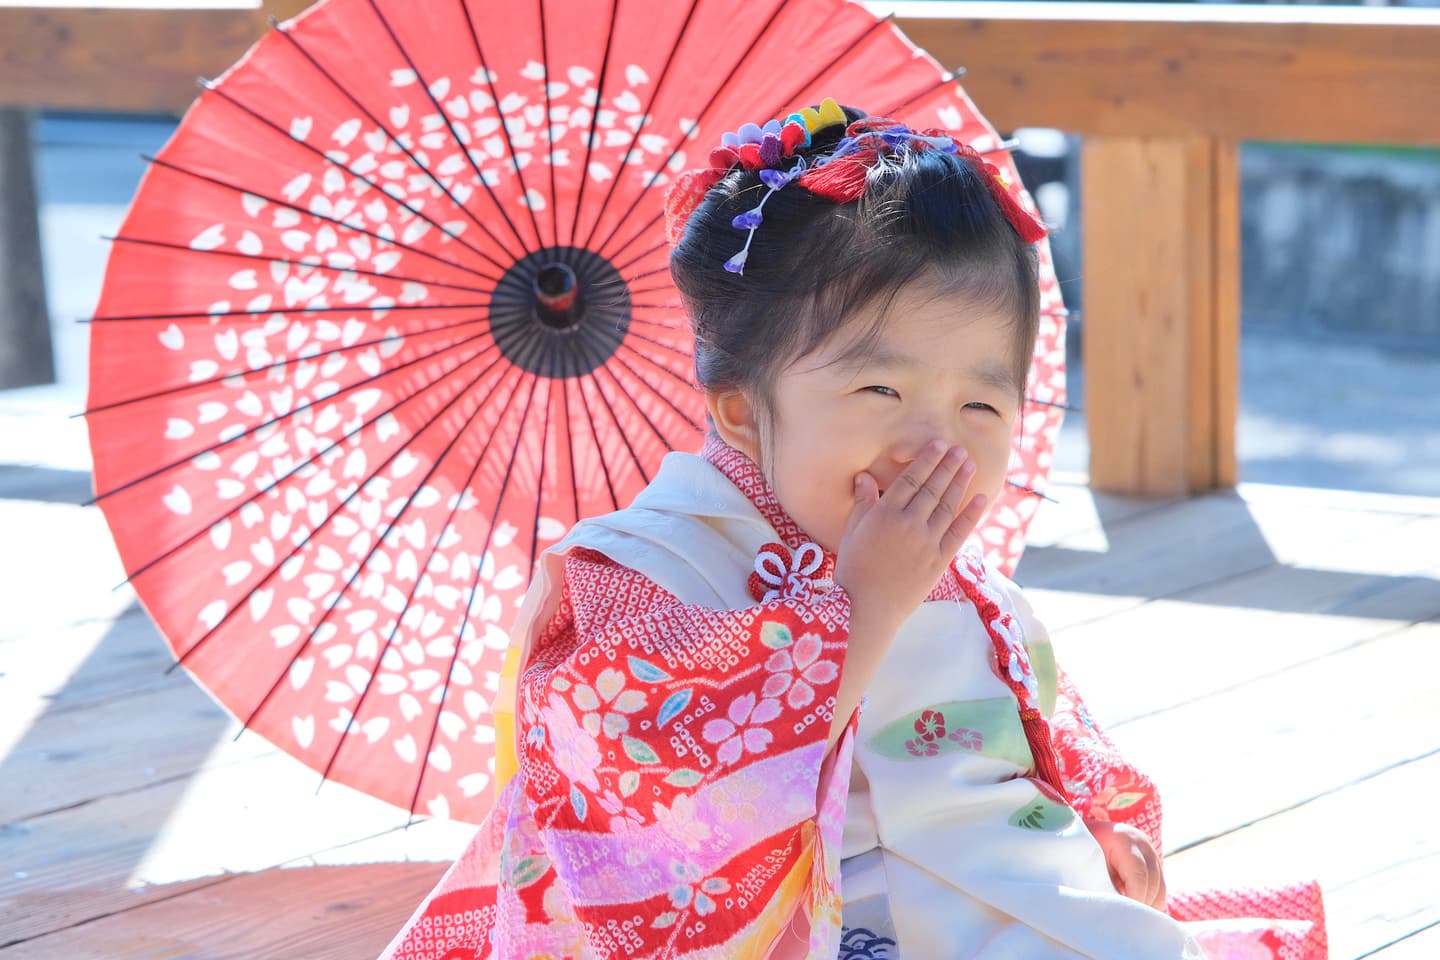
(1161, 255)
(108, 57)
(26, 357)
(1315, 74)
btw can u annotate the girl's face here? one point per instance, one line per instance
(939, 369)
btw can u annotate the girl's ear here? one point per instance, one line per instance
(736, 420)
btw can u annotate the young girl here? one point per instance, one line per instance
(777, 707)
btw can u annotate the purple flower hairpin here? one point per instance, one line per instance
(751, 219)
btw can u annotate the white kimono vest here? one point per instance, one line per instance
(950, 849)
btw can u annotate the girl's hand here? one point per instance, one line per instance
(896, 547)
(1134, 863)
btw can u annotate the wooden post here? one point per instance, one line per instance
(1162, 304)
(26, 357)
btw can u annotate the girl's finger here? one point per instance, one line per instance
(954, 496)
(912, 480)
(934, 481)
(963, 525)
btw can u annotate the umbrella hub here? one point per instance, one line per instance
(560, 312)
(557, 296)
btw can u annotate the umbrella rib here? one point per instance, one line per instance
(396, 140)
(505, 132)
(307, 311)
(277, 365)
(1031, 491)
(635, 134)
(594, 115)
(216, 88)
(859, 39)
(475, 582)
(305, 406)
(671, 307)
(1051, 403)
(550, 129)
(425, 567)
(679, 379)
(949, 78)
(540, 473)
(184, 248)
(670, 348)
(337, 222)
(294, 550)
(694, 124)
(624, 435)
(570, 446)
(599, 448)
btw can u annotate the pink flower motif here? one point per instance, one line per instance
(931, 725)
(735, 797)
(572, 750)
(734, 740)
(922, 748)
(968, 739)
(679, 822)
(1020, 669)
(793, 670)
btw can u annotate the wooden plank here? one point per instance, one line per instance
(124, 850)
(319, 913)
(1151, 313)
(1360, 75)
(76, 756)
(1422, 945)
(107, 57)
(1371, 846)
(26, 357)
(1238, 756)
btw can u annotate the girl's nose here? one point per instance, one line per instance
(906, 449)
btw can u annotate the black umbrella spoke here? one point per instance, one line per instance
(683, 329)
(944, 81)
(570, 446)
(424, 567)
(657, 248)
(599, 447)
(360, 566)
(1052, 404)
(620, 431)
(667, 307)
(644, 231)
(387, 197)
(594, 115)
(309, 404)
(277, 365)
(475, 581)
(301, 311)
(215, 181)
(659, 435)
(540, 473)
(695, 124)
(295, 549)
(643, 291)
(395, 139)
(550, 127)
(1031, 491)
(505, 132)
(681, 352)
(302, 264)
(279, 480)
(834, 62)
(635, 134)
(657, 392)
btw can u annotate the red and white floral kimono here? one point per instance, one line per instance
(674, 797)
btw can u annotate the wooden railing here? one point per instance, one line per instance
(1162, 94)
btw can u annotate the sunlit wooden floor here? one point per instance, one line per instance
(1270, 656)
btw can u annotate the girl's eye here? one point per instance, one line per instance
(883, 391)
(978, 405)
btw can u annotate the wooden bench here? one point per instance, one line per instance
(1162, 93)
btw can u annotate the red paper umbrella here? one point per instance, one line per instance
(392, 310)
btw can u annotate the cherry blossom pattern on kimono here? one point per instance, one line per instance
(671, 755)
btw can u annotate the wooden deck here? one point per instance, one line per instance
(1271, 656)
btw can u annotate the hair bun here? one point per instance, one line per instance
(823, 141)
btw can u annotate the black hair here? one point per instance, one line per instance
(814, 264)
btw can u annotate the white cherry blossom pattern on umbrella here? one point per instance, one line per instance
(392, 310)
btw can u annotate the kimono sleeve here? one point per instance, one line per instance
(672, 755)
